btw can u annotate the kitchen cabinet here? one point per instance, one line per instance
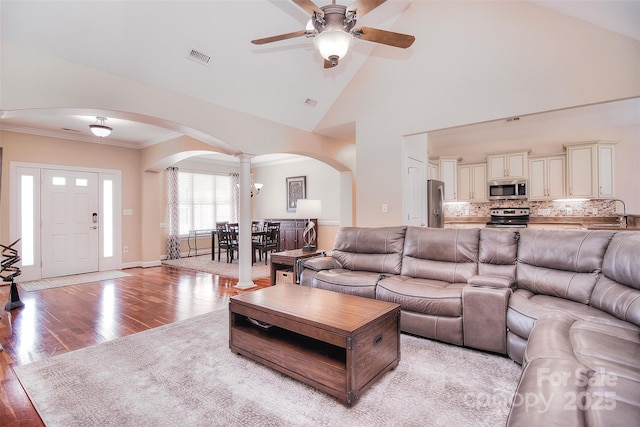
(590, 170)
(448, 168)
(509, 165)
(547, 177)
(433, 172)
(472, 182)
(605, 170)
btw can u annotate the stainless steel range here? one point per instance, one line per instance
(509, 218)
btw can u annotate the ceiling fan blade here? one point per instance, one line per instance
(362, 7)
(279, 37)
(383, 36)
(309, 6)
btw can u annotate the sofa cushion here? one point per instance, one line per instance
(525, 308)
(425, 296)
(618, 290)
(621, 259)
(377, 249)
(361, 283)
(565, 265)
(448, 255)
(498, 252)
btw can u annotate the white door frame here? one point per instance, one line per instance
(109, 182)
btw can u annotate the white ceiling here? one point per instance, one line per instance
(150, 41)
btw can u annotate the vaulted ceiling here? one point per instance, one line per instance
(284, 82)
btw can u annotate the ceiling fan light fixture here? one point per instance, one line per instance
(99, 128)
(333, 44)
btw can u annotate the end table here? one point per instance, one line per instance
(289, 260)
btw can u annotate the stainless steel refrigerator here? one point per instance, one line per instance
(435, 203)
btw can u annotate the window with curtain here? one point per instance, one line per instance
(204, 199)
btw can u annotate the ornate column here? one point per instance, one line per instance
(244, 222)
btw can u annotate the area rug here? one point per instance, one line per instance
(76, 279)
(185, 374)
(223, 268)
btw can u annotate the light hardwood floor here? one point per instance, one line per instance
(56, 321)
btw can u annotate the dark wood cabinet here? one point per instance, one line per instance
(291, 231)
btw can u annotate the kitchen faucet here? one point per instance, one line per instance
(623, 220)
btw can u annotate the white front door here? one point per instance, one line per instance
(70, 223)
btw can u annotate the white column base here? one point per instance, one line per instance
(245, 285)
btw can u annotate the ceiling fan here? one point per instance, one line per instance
(332, 28)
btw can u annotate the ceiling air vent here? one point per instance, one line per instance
(310, 102)
(199, 57)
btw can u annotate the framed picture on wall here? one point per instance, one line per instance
(296, 189)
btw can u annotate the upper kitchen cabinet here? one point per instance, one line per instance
(448, 168)
(590, 169)
(547, 177)
(472, 182)
(433, 170)
(509, 165)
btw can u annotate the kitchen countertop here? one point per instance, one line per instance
(586, 222)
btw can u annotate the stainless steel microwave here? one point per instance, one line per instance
(507, 190)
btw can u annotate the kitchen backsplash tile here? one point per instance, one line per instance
(588, 208)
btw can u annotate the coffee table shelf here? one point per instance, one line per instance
(292, 342)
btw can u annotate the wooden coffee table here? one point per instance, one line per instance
(337, 343)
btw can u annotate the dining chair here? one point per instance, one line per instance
(270, 240)
(233, 230)
(220, 226)
(257, 235)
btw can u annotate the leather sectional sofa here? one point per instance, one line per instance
(564, 304)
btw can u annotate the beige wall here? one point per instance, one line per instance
(20, 147)
(145, 193)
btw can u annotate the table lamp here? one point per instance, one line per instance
(309, 209)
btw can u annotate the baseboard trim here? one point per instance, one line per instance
(143, 264)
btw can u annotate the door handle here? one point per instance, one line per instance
(95, 227)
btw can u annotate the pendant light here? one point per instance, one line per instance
(99, 128)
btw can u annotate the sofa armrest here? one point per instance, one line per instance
(499, 282)
(484, 322)
(308, 267)
(321, 263)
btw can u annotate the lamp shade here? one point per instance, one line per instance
(308, 208)
(333, 44)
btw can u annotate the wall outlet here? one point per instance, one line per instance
(466, 212)
(569, 210)
(125, 249)
(594, 211)
(544, 212)
(385, 208)
(127, 212)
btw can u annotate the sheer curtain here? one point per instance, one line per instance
(235, 196)
(173, 241)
